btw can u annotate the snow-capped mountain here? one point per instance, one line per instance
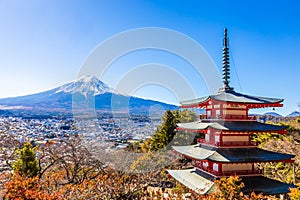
(84, 93)
(87, 86)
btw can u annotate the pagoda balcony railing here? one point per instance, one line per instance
(252, 118)
(238, 143)
(230, 173)
(240, 172)
(229, 117)
(227, 144)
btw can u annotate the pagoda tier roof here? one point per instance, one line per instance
(228, 155)
(249, 126)
(261, 184)
(202, 183)
(196, 180)
(232, 97)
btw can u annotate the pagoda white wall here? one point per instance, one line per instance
(236, 167)
(234, 112)
(242, 138)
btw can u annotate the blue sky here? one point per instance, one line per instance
(44, 43)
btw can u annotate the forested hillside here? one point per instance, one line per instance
(69, 171)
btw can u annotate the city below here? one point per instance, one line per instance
(112, 132)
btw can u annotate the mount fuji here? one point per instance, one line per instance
(86, 86)
(83, 94)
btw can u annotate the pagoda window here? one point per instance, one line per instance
(208, 114)
(205, 164)
(216, 167)
(218, 113)
(217, 106)
(217, 138)
(207, 137)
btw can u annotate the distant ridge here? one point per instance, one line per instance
(294, 114)
(87, 92)
(275, 114)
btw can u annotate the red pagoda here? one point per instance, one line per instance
(226, 148)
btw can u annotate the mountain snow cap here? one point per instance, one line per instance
(87, 86)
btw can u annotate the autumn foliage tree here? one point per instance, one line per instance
(231, 188)
(67, 170)
(295, 193)
(20, 187)
(25, 183)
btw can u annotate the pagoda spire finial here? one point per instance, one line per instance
(226, 67)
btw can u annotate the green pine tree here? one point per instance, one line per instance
(165, 133)
(27, 164)
(168, 126)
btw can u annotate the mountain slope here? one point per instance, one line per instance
(294, 114)
(85, 93)
(275, 114)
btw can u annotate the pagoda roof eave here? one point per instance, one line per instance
(203, 183)
(228, 155)
(199, 102)
(264, 185)
(235, 98)
(243, 126)
(198, 151)
(193, 180)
